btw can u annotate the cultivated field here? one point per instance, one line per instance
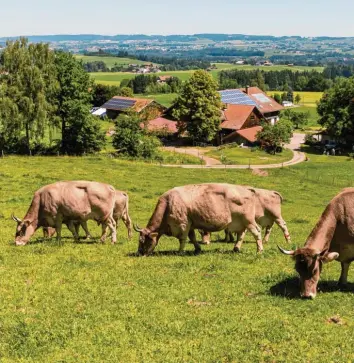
(89, 302)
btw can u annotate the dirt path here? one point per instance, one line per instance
(212, 163)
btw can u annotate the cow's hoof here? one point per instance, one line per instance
(197, 252)
(259, 252)
(237, 250)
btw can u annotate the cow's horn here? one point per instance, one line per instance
(17, 220)
(290, 253)
(137, 228)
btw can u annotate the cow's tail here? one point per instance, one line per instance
(280, 196)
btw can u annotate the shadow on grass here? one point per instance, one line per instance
(53, 241)
(290, 288)
(186, 253)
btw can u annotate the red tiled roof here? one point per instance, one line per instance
(250, 134)
(162, 124)
(164, 78)
(236, 116)
(265, 104)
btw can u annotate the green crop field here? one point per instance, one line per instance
(165, 99)
(308, 99)
(247, 67)
(87, 302)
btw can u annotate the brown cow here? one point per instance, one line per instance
(331, 239)
(268, 212)
(121, 211)
(210, 207)
(68, 201)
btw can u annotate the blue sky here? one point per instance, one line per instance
(274, 17)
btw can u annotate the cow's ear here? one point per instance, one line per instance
(153, 235)
(329, 257)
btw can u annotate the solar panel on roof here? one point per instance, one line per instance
(236, 97)
(119, 104)
(261, 97)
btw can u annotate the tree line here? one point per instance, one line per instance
(41, 92)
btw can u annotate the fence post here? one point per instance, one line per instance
(249, 163)
(2, 153)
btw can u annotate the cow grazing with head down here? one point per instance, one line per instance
(331, 239)
(210, 207)
(120, 212)
(68, 201)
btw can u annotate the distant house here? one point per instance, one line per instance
(99, 111)
(163, 79)
(146, 108)
(287, 104)
(240, 62)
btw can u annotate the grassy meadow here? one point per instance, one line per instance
(244, 156)
(88, 302)
(110, 61)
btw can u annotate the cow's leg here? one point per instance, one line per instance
(104, 232)
(85, 228)
(72, 229)
(282, 224)
(206, 236)
(239, 240)
(267, 233)
(111, 223)
(193, 239)
(227, 236)
(128, 223)
(58, 227)
(344, 274)
(257, 234)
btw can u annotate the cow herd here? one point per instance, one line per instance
(179, 212)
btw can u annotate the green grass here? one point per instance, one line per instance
(89, 302)
(165, 99)
(114, 78)
(244, 156)
(110, 61)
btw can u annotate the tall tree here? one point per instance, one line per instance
(336, 108)
(80, 133)
(273, 137)
(29, 88)
(198, 106)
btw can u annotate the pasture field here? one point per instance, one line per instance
(244, 156)
(165, 99)
(110, 61)
(88, 302)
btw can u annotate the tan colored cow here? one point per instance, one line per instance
(268, 212)
(68, 201)
(120, 212)
(331, 239)
(211, 207)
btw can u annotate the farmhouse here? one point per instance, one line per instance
(146, 108)
(245, 109)
(163, 79)
(161, 125)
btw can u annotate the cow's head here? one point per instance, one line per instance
(24, 231)
(308, 264)
(147, 240)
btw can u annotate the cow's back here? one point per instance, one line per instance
(269, 203)
(78, 199)
(210, 206)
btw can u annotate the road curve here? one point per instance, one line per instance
(211, 163)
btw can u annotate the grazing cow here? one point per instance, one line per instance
(210, 207)
(121, 211)
(331, 239)
(68, 201)
(268, 212)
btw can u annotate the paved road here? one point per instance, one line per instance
(211, 163)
